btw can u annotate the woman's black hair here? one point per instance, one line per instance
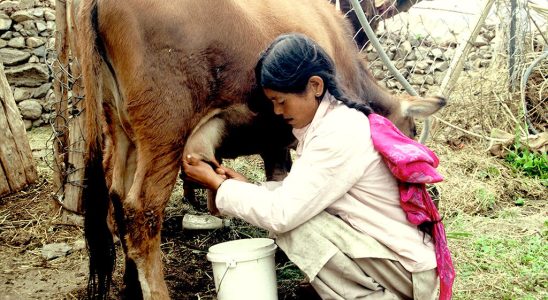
(289, 62)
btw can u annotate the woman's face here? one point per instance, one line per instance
(298, 110)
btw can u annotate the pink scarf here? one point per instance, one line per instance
(413, 164)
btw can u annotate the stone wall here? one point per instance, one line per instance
(423, 61)
(26, 40)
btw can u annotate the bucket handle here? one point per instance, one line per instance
(229, 265)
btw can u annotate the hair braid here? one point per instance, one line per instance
(333, 88)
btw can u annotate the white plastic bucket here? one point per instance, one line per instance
(244, 269)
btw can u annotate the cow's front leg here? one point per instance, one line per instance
(143, 250)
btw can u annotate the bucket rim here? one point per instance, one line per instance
(235, 251)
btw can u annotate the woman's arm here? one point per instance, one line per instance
(331, 163)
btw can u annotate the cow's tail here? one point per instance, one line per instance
(95, 194)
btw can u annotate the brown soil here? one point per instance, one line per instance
(31, 219)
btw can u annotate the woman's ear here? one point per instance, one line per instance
(315, 84)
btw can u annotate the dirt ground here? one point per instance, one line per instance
(499, 248)
(30, 219)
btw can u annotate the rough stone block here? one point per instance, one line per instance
(42, 90)
(10, 57)
(17, 42)
(22, 15)
(20, 94)
(34, 42)
(5, 22)
(30, 109)
(28, 75)
(49, 14)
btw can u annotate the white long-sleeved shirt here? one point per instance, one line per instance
(337, 170)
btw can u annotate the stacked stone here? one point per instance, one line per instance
(424, 62)
(26, 37)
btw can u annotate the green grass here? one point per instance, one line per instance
(500, 258)
(485, 199)
(288, 271)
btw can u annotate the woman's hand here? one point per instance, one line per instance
(230, 174)
(201, 172)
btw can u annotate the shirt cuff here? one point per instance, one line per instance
(223, 199)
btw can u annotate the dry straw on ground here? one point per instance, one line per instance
(476, 182)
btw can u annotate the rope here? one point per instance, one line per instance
(524, 80)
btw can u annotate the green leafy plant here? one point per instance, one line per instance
(519, 202)
(531, 164)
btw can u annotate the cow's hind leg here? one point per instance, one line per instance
(120, 164)
(277, 163)
(143, 209)
(189, 193)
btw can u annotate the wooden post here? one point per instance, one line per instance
(60, 85)
(75, 170)
(17, 168)
(69, 142)
(462, 50)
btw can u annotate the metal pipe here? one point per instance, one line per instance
(387, 62)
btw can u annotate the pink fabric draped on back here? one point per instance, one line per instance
(414, 165)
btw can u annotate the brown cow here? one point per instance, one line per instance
(157, 73)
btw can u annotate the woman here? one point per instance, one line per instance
(338, 214)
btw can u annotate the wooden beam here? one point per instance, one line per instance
(60, 85)
(462, 50)
(16, 162)
(75, 161)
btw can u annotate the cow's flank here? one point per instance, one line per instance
(158, 72)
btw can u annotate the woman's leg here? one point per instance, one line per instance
(346, 264)
(390, 274)
(425, 285)
(364, 278)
